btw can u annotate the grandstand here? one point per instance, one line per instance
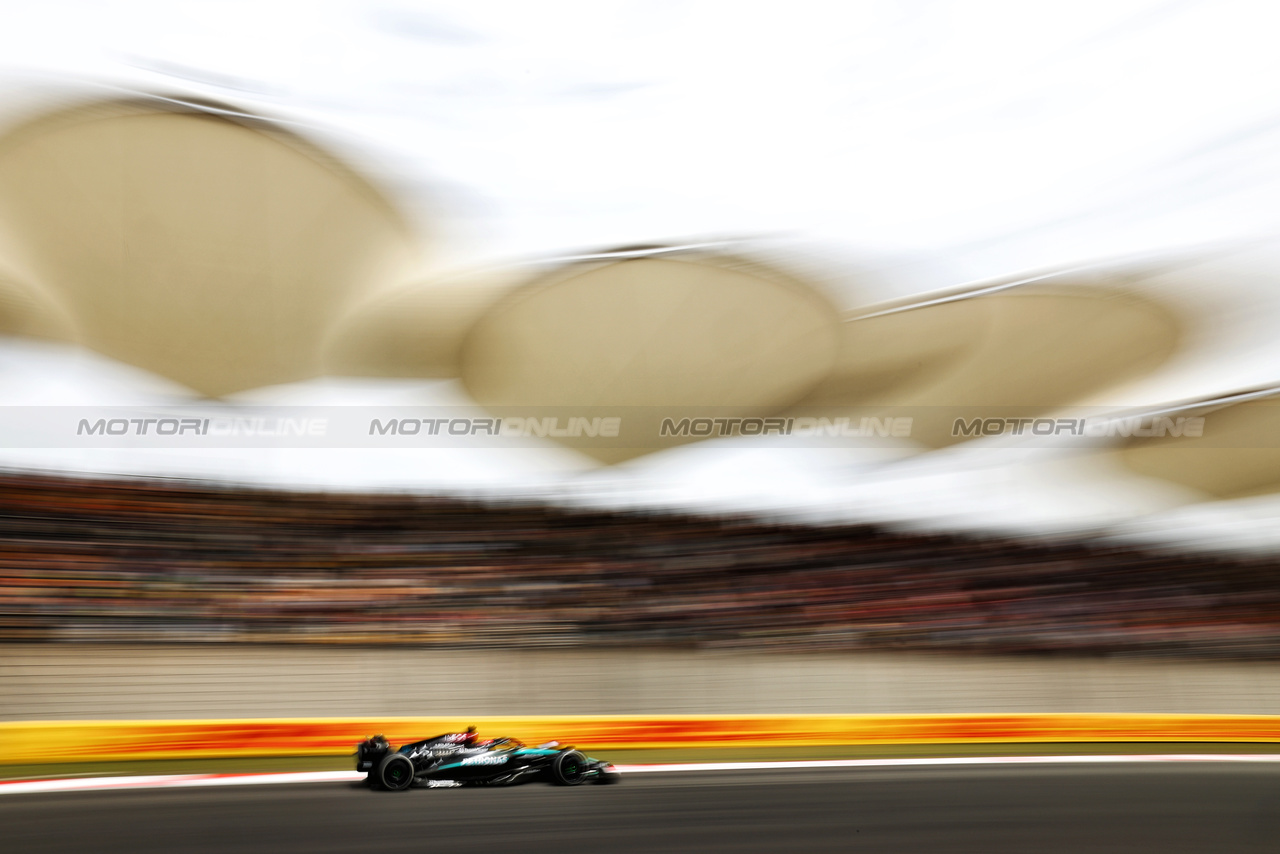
(129, 561)
(262, 263)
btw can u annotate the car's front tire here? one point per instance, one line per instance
(569, 768)
(395, 773)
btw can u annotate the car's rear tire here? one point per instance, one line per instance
(395, 773)
(569, 768)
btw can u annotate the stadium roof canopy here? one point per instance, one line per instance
(228, 253)
(335, 205)
(190, 240)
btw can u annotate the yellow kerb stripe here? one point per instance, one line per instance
(66, 741)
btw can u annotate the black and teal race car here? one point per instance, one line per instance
(450, 760)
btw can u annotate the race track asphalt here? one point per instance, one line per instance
(1207, 808)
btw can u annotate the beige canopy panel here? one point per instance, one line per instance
(653, 336)
(995, 351)
(1235, 453)
(416, 329)
(193, 241)
(31, 312)
(653, 331)
(26, 309)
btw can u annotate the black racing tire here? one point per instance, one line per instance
(395, 773)
(569, 768)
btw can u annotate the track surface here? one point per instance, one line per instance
(1168, 808)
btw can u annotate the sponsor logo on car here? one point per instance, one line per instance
(485, 759)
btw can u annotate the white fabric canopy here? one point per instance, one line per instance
(899, 148)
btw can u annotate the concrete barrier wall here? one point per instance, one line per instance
(103, 682)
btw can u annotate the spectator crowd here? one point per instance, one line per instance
(122, 560)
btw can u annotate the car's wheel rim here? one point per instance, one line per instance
(571, 768)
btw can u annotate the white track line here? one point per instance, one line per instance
(174, 781)
(158, 781)
(957, 760)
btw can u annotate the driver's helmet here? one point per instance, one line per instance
(469, 737)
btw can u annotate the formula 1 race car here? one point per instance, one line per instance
(454, 759)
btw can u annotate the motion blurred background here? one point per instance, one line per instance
(937, 342)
